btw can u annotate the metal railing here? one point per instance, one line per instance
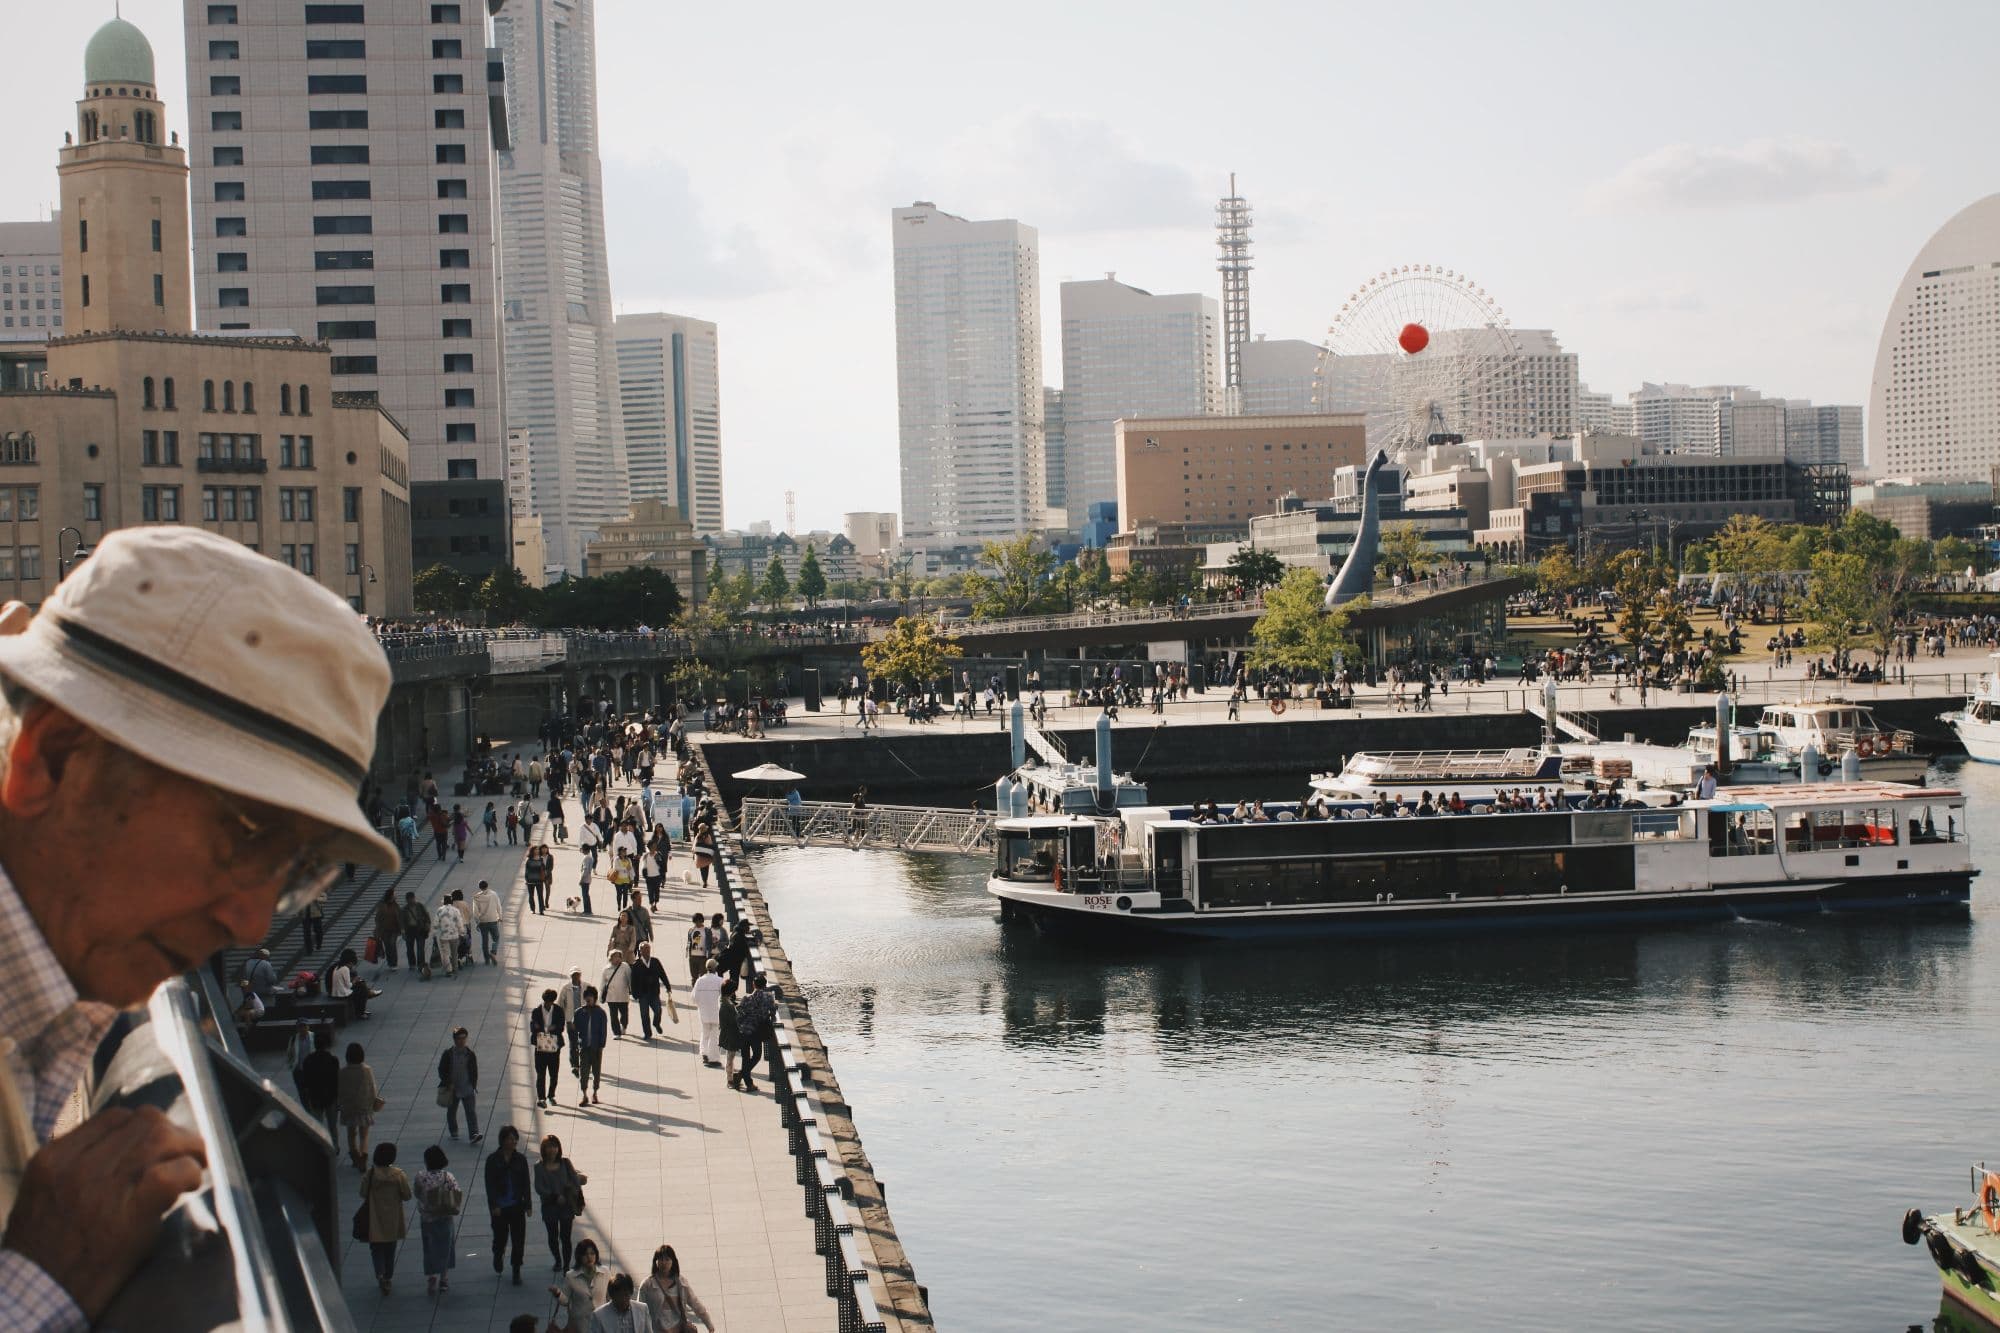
(908, 828)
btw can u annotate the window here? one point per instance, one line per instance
(223, 122)
(31, 562)
(455, 363)
(160, 504)
(446, 48)
(229, 192)
(455, 293)
(461, 469)
(450, 153)
(306, 559)
(461, 432)
(146, 390)
(336, 330)
(232, 297)
(328, 85)
(345, 225)
(305, 503)
(149, 447)
(447, 83)
(222, 15)
(249, 396)
(284, 400)
(457, 328)
(210, 508)
(449, 118)
(167, 393)
(287, 507)
(286, 456)
(86, 289)
(159, 290)
(289, 554)
(354, 365)
(340, 154)
(170, 448)
(344, 295)
(225, 85)
(232, 227)
(325, 260)
(337, 120)
(341, 190)
(306, 400)
(223, 51)
(232, 261)
(229, 395)
(305, 451)
(454, 259)
(247, 505)
(444, 13)
(228, 498)
(458, 397)
(354, 559)
(208, 395)
(334, 14)
(228, 157)
(93, 502)
(451, 189)
(453, 224)
(351, 48)
(350, 507)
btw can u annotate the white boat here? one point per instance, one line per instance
(1978, 723)
(1831, 728)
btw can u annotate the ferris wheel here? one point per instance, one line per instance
(1424, 352)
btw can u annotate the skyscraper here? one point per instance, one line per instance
(343, 189)
(1129, 353)
(968, 377)
(561, 367)
(1934, 411)
(670, 405)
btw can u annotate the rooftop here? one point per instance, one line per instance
(118, 53)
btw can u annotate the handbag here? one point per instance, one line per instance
(360, 1228)
(372, 951)
(445, 1095)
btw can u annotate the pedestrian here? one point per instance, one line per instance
(571, 1000)
(756, 1020)
(513, 824)
(588, 870)
(416, 934)
(342, 983)
(728, 1032)
(546, 1027)
(535, 871)
(649, 983)
(490, 821)
(406, 834)
(624, 936)
(465, 923)
(708, 1009)
(384, 1191)
(535, 772)
(617, 991)
(668, 1298)
(556, 825)
(486, 915)
(697, 946)
(704, 850)
(298, 1050)
(559, 1189)
(583, 1288)
(440, 829)
(734, 956)
(591, 1038)
(319, 1083)
(458, 1084)
(509, 1198)
(389, 927)
(261, 977)
(621, 1311)
(439, 1202)
(448, 926)
(312, 925)
(355, 1090)
(461, 830)
(623, 874)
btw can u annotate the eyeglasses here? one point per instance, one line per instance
(306, 875)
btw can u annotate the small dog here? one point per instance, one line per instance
(572, 903)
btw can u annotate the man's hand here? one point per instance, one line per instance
(91, 1201)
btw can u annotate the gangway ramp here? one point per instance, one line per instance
(907, 828)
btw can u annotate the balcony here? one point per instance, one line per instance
(232, 465)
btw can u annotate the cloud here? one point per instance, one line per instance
(663, 246)
(1684, 177)
(1673, 296)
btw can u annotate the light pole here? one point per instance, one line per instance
(76, 556)
(369, 570)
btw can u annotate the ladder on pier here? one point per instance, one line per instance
(907, 828)
(1576, 726)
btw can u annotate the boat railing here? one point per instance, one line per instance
(1440, 763)
(901, 827)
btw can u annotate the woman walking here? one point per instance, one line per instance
(668, 1298)
(490, 821)
(624, 936)
(559, 1189)
(439, 1201)
(728, 1033)
(583, 1288)
(359, 1101)
(536, 872)
(617, 983)
(461, 830)
(384, 1191)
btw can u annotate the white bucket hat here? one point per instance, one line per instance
(201, 656)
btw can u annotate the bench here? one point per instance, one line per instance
(272, 1034)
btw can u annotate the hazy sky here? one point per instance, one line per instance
(1702, 192)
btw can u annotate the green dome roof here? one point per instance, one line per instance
(119, 53)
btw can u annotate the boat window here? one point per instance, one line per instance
(1932, 825)
(1740, 833)
(1844, 829)
(1029, 856)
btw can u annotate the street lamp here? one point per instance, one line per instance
(369, 570)
(76, 556)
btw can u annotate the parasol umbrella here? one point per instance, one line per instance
(768, 773)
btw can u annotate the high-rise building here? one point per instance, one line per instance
(343, 189)
(31, 279)
(968, 377)
(1280, 376)
(1683, 419)
(561, 367)
(1128, 353)
(1055, 449)
(1934, 409)
(670, 406)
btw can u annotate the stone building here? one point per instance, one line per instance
(652, 536)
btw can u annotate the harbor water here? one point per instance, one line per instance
(1697, 1128)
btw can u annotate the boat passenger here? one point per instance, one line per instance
(1240, 813)
(1259, 815)
(1425, 808)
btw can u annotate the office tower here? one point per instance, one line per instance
(670, 407)
(1683, 419)
(1934, 409)
(1055, 450)
(343, 189)
(1129, 353)
(968, 378)
(561, 368)
(31, 279)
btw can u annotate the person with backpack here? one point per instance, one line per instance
(416, 933)
(490, 822)
(439, 1201)
(513, 824)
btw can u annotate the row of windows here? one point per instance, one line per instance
(332, 85)
(229, 504)
(20, 502)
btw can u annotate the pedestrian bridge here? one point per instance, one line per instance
(904, 828)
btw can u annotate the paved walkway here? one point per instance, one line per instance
(673, 1155)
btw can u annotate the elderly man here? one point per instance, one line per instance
(184, 728)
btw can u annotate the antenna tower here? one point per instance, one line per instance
(1232, 238)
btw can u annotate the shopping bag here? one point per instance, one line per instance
(372, 950)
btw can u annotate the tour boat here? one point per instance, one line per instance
(1978, 723)
(1473, 774)
(1831, 728)
(1965, 1245)
(1150, 870)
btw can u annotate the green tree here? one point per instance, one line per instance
(1954, 555)
(1867, 536)
(1253, 571)
(812, 579)
(914, 651)
(1557, 572)
(1404, 544)
(1018, 581)
(776, 589)
(1296, 633)
(441, 590)
(627, 600)
(732, 594)
(1748, 547)
(1843, 598)
(506, 597)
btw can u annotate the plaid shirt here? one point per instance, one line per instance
(53, 1034)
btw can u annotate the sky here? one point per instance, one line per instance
(1706, 193)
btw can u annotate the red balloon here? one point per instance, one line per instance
(1414, 338)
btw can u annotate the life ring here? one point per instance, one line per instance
(1277, 706)
(1865, 747)
(1989, 1199)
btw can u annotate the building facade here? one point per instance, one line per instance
(1128, 353)
(968, 378)
(670, 406)
(1214, 473)
(343, 189)
(31, 279)
(555, 288)
(652, 535)
(875, 539)
(1934, 405)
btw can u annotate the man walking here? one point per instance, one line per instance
(416, 932)
(649, 982)
(592, 1035)
(546, 1028)
(571, 1002)
(508, 1198)
(458, 1079)
(450, 927)
(708, 1008)
(486, 912)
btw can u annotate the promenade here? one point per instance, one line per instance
(673, 1156)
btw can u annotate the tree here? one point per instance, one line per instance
(1557, 572)
(1748, 547)
(812, 580)
(627, 600)
(505, 597)
(1842, 597)
(1955, 555)
(1252, 570)
(732, 594)
(914, 651)
(1296, 633)
(1018, 584)
(440, 590)
(776, 589)
(1404, 545)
